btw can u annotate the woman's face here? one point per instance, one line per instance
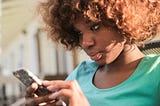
(102, 44)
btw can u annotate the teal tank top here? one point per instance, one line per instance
(142, 88)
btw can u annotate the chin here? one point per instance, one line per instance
(100, 62)
(105, 61)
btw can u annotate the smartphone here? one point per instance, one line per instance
(27, 78)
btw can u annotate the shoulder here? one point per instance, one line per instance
(83, 68)
(88, 65)
(151, 63)
(154, 70)
(152, 60)
(150, 66)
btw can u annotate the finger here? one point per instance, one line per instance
(30, 102)
(57, 103)
(38, 100)
(30, 90)
(71, 87)
(47, 83)
(62, 92)
(49, 104)
(74, 85)
(58, 85)
(60, 103)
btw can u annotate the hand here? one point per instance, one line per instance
(33, 100)
(68, 89)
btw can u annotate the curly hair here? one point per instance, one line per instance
(136, 20)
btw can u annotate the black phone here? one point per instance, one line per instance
(27, 78)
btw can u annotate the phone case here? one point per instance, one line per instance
(27, 78)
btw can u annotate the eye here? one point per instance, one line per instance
(95, 27)
(79, 33)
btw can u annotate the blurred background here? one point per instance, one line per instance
(24, 44)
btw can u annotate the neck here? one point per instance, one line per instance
(129, 58)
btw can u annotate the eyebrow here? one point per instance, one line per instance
(95, 23)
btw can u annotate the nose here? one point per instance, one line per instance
(87, 41)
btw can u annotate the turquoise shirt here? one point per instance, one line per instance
(142, 88)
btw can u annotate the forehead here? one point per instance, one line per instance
(84, 22)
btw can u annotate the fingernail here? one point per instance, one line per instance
(34, 85)
(45, 81)
(51, 87)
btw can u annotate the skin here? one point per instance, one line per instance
(117, 61)
(109, 49)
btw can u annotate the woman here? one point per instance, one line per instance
(109, 31)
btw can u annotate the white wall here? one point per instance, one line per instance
(23, 52)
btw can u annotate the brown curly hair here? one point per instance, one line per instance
(136, 20)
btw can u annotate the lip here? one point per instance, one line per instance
(96, 56)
